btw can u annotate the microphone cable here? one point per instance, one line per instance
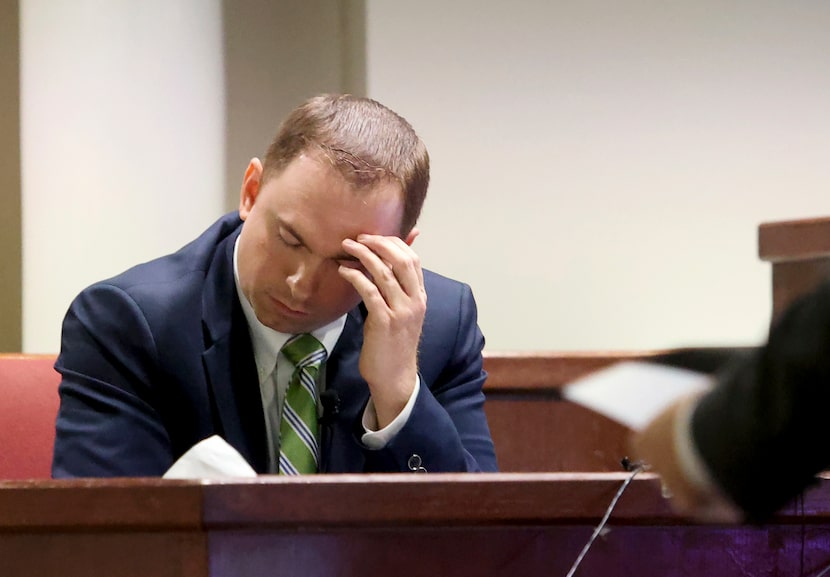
(634, 468)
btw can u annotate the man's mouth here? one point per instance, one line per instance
(288, 310)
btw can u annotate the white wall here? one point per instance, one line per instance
(139, 118)
(600, 168)
(122, 123)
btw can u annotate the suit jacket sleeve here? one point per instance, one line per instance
(107, 424)
(762, 432)
(447, 429)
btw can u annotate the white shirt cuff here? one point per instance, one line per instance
(375, 439)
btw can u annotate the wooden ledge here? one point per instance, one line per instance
(338, 501)
(794, 240)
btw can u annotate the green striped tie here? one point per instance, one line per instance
(299, 454)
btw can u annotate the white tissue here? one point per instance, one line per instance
(211, 458)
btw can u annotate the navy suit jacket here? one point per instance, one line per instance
(159, 358)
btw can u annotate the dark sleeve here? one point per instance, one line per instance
(107, 425)
(762, 431)
(447, 428)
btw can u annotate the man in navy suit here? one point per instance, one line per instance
(190, 345)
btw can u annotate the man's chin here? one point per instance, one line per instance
(293, 322)
(291, 326)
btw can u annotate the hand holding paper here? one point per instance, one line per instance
(653, 400)
(635, 392)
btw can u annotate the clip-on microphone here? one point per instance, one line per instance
(330, 402)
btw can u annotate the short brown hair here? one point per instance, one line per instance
(366, 141)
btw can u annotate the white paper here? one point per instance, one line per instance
(212, 458)
(634, 392)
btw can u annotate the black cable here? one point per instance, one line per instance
(800, 506)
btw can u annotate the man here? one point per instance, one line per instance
(196, 343)
(756, 440)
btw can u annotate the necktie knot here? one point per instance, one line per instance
(304, 351)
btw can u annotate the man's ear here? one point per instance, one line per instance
(250, 187)
(413, 234)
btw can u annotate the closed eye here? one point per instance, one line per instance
(289, 239)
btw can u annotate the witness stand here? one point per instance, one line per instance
(561, 467)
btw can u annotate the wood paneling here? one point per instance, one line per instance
(373, 525)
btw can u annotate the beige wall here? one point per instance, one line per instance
(122, 158)
(10, 214)
(277, 54)
(600, 168)
(146, 115)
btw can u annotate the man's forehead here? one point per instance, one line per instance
(320, 206)
(308, 240)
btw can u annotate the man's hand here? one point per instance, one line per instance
(392, 288)
(657, 445)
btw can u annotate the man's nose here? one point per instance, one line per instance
(303, 282)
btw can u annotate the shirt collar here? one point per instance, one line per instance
(266, 341)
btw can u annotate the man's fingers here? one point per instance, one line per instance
(393, 267)
(367, 289)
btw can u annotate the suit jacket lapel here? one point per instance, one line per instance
(341, 453)
(228, 360)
